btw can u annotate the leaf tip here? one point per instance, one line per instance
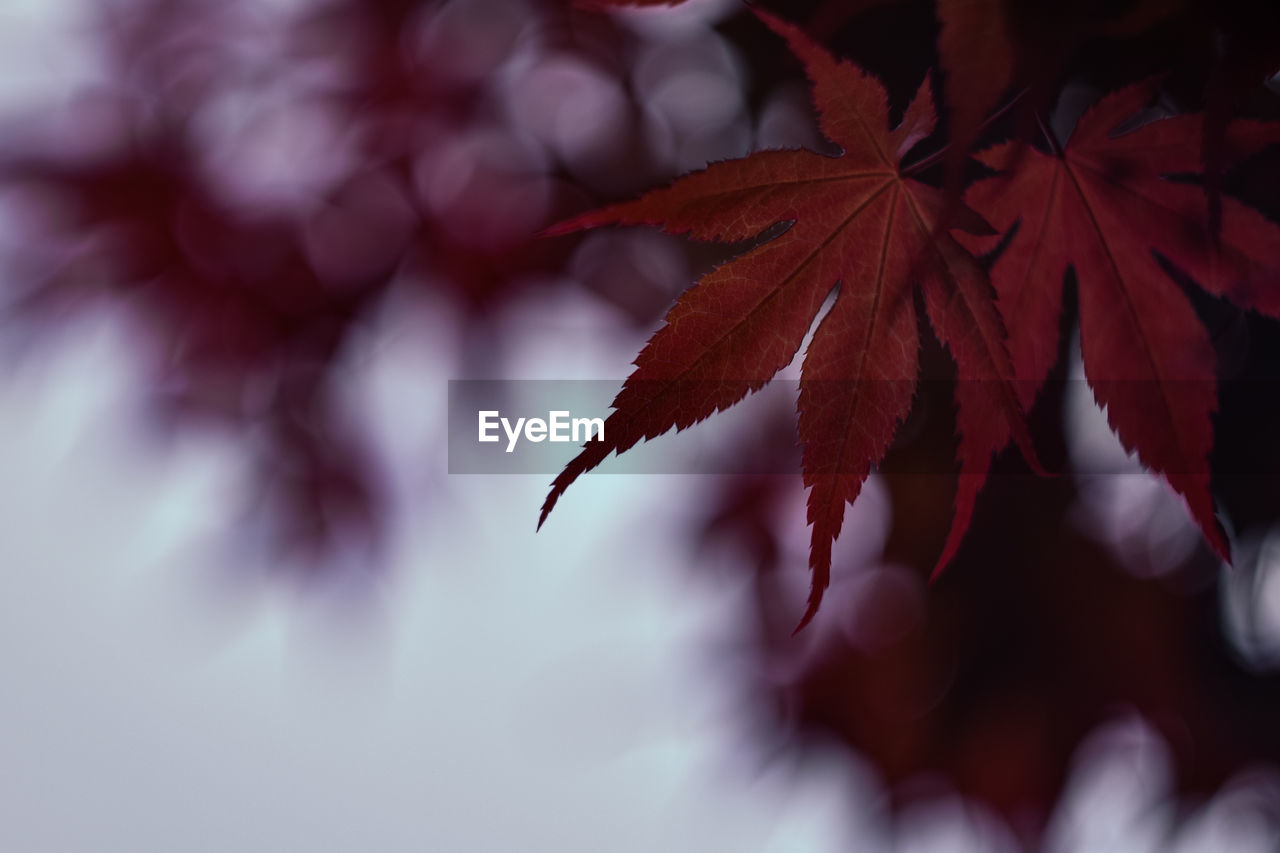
(547, 505)
(592, 455)
(1219, 542)
(564, 226)
(948, 552)
(784, 28)
(967, 489)
(816, 592)
(820, 564)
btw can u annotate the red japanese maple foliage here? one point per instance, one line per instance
(862, 221)
(858, 220)
(1102, 205)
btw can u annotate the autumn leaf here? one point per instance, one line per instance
(856, 220)
(1103, 206)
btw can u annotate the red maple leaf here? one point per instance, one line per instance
(856, 220)
(1103, 206)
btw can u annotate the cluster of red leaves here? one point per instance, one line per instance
(250, 310)
(1103, 205)
(990, 682)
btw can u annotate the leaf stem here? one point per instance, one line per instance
(937, 156)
